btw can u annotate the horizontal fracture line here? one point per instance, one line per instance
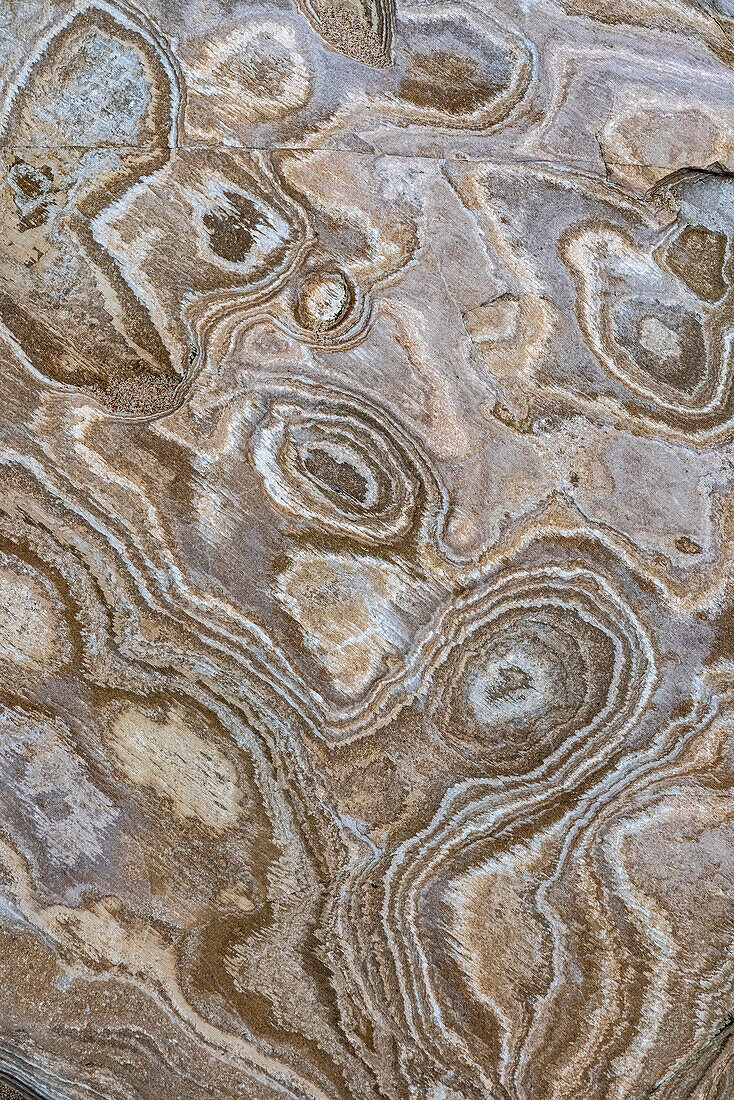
(467, 158)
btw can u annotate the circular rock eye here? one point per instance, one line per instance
(520, 691)
(665, 342)
(343, 467)
(535, 666)
(340, 473)
(323, 300)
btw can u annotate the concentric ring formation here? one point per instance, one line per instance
(366, 551)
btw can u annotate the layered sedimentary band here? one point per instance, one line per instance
(366, 527)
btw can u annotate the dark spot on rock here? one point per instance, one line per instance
(687, 546)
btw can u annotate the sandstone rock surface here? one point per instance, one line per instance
(367, 549)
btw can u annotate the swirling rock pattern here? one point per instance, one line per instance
(366, 570)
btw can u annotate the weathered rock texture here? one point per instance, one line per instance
(366, 550)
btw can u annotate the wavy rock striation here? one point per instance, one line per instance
(366, 569)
